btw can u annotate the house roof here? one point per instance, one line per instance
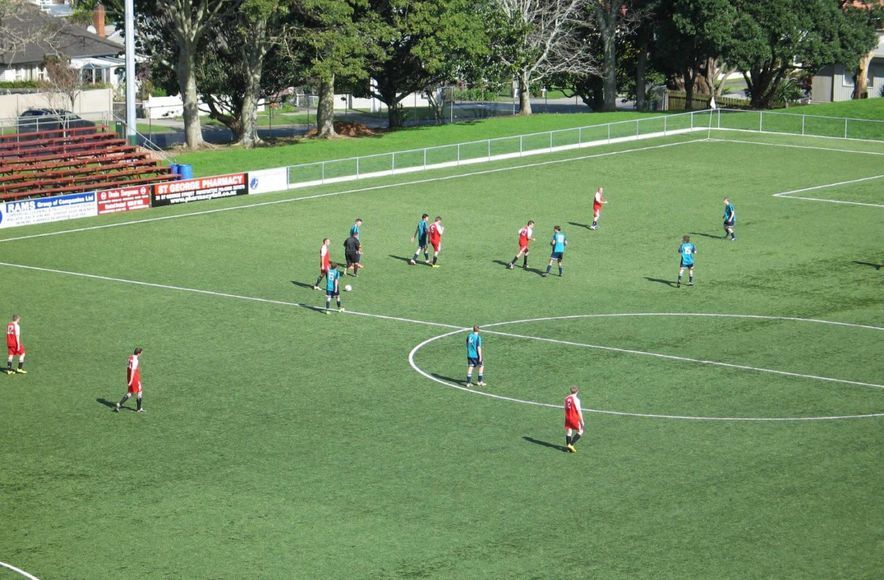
(55, 36)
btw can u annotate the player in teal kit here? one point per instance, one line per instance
(730, 218)
(558, 242)
(332, 287)
(475, 357)
(686, 250)
(420, 234)
(356, 227)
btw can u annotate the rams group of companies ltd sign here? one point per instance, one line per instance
(93, 203)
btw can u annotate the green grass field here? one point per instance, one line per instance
(280, 442)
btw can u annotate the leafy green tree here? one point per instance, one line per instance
(333, 39)
(691, 37)
(771, 40)
(423, 43)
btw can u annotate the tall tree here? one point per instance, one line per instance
(773, 39)
(187, 22)
(864, 13)
(691, 37)
(539, 39)
(612, 19)
(424, 41)
(334, 39)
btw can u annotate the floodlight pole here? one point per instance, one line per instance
(130, 73)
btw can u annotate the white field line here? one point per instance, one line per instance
(789, 194)
(807, 135)
(18, 571)
(487, 158)
(349, 191)
(683, 359)
(458, 328)
(489, 395)
(789, 146)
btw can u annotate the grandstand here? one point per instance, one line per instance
(71, 160)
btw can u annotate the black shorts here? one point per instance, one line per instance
(422, 241)
(688, 266)
(352, 258)
(729, 223)
(474, 362)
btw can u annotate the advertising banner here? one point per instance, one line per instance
(267, 180)
(123, 199)
(175, 192)
(47, 209)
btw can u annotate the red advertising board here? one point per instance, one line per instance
(175, 192)
(123, 199)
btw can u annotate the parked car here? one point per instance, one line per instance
(34, 120)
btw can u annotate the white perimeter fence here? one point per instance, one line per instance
(398, 162)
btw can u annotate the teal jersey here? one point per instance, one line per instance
(558, 241)
(354, 230)
(687, 251)
(421, 231)
(331, 278)
(730, 214)
(474, 343)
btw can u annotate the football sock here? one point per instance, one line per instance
(434, 259)
(514, 260)
(414, 257)
(9, 365)
(318, 280)
(20, 364)
(691, 279)
(595, 223)
(138, 403)
(123, 400)
(567, 439)
(525, 262)
(469, 378)
(575, 438)
(339, 303)
(327, 302)
(426, 256)
(481, 378)
(548, 268)
(561, 270)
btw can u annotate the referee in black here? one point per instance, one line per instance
(353, 253)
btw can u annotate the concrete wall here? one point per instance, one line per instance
(90, 103)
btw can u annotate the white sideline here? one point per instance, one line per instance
(348, 191)
(788, 194)
(18, 571)
(488, 158)
(790, 146)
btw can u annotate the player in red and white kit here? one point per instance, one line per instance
(526, 234)
(14, 347)
(133, 381)
(436, 230)
(598, 201)
(324, 261)
(573, 420)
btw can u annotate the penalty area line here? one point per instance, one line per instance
(347, 191)
(789, 194)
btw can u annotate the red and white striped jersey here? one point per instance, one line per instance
(13, 335)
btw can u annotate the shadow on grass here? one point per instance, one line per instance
(580, 225)
(872, 264)
(459, 383)
(302, 284)
(408, 260)
(705, 235)
(545, 444)
(517, 267)
(669, 283)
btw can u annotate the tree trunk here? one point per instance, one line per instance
(524, 92)
(193, 132)
(861, 84)
(609, 67)
(641, 66)
(254, 68)
(689, 74)
(325, 110)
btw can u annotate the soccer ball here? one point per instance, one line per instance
(347, 288)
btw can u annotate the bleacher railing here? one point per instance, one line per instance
(393, 163)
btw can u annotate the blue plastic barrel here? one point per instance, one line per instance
(186, 171)
(175, 169)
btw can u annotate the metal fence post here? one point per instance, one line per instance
(609, 133)
(761, 121)
(636, 128)
(845, 128)
(521, 144)
(550, 140)
(425, 158)
(323, 173)
(357, 168)
(718, 122)
(393, 162)
(458, 154)
(580, 135)
(489, 149)
(665, 125)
